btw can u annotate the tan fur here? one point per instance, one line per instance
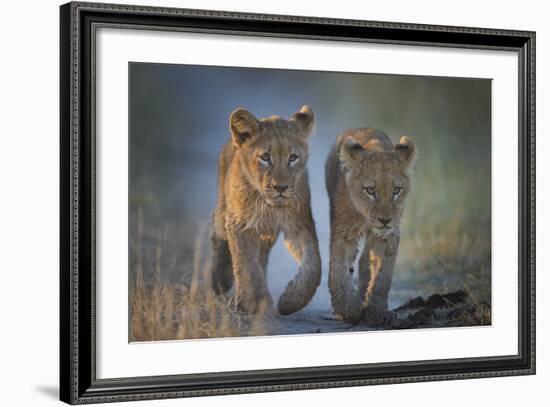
(364, 161)
(253, 208)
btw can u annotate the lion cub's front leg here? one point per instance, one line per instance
(250, 276)
(301, 242)
(382, 254)
(345, 299)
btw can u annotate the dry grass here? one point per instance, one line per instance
(161, 309)
(474, 314)
(440, 257)
(167, 311)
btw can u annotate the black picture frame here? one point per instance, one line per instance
(78, 382)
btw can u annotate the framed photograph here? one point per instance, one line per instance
(255, 203)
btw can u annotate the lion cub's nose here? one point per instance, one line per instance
(384, 221)
(280, 188)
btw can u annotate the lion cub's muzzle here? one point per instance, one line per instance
(384, 226)
(279, 193)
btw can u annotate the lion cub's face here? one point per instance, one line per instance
(378, 181)
(273, 152)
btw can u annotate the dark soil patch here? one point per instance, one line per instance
(442, 310)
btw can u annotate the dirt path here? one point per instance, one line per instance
(437, 310)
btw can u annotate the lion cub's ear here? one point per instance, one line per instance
(406, 150)
(350, 152)
(304, 120)
(243, 126)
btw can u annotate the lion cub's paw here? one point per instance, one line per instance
(381, 318)
(288, 304)
(250, 305)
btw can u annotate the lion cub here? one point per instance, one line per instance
(263, 190)
(367, 180)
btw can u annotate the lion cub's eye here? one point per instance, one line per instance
(292, 157)
(397, 190)
(370, 191)
(265, 157)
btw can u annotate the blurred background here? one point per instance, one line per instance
(179, 121)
